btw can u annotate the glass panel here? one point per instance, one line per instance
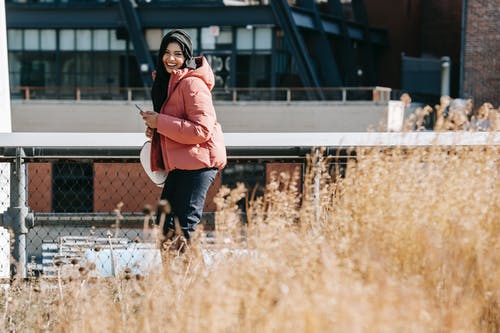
(99, 69)
(15, 68)
(15, 39)
(84, 69)
(244, 40)
(68, 61)
(67, 40)
(153, 38)
(15, 61)
(194, 37)
(72, 187)
(242, 70)
(253, 70)
(83, 40)
(101, 40)
(31, 40)
(113, 79)
(48, 37)
(263, 39)
(37, 69)
(115, 43)
(252, 174)
(225, 37)
(49, 61)
(207, 39)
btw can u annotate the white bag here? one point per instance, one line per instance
(157, 177)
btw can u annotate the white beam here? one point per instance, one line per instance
(258, 140)
(5, 117)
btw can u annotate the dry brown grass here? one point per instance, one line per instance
(453, 115)
(407, 241)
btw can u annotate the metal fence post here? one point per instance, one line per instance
(445, 76)
(317, 185)
(17, 215)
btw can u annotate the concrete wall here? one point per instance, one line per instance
(101, 116)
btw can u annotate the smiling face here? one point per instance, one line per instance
(173, 58)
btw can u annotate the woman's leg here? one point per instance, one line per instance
(188, 197)
(168, 194)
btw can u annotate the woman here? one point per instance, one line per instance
(187, 140)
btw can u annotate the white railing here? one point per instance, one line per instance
(282, 94)
(258, 140)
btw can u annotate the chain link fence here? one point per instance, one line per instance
(60, 207)
(59, 212)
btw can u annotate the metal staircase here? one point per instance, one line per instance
(361, 17)
(300, 53)
(328, 72)
(346, 52)
(308, 30)
(134, 27)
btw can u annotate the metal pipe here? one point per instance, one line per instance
(463, 31)
(5, 127)
(18, 213)
(445, 76)
(5, 117)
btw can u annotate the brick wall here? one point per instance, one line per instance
(482, 52)
(40, 187)
(123, 182)
(113, 183)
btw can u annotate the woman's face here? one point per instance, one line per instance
(173, 58)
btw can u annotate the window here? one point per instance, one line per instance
(83, 40)
(252, 173)
(263, 38)
(100, 42)
(31, 40)
(258, 38)
(15, 39)
(48, 36)
(116, 44)
(67, 40)
(72, 187)
(244, 40)
(207, 39)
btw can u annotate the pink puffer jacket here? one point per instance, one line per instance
(190, 136)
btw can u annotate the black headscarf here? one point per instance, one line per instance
(159, 90)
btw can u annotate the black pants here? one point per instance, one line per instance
(186, 191)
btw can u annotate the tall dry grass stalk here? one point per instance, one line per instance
(406, 241)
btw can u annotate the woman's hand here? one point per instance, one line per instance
(149, 132)
(151, 118)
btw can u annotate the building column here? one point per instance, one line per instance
(5, 117)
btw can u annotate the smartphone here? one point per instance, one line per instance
(139, 108)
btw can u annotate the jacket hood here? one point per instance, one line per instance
(202, 71)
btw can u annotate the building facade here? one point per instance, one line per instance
(481, 53)
(113, 44)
